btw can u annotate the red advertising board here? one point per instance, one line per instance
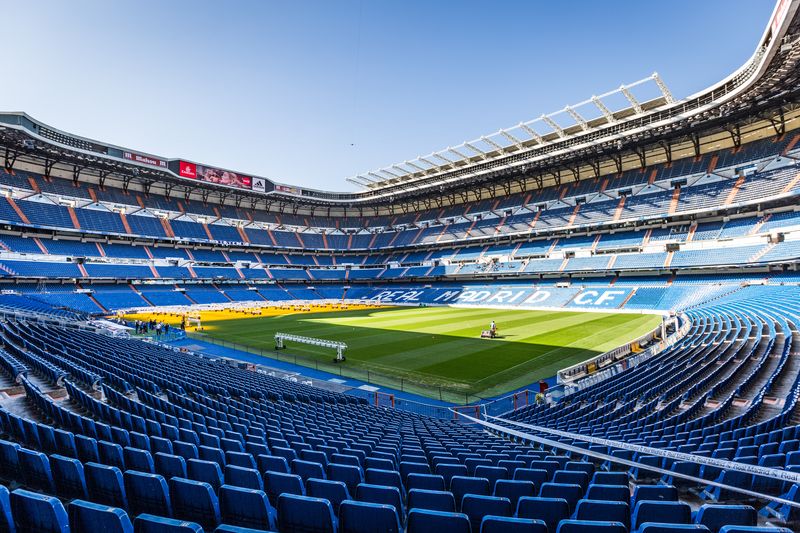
(188, 170)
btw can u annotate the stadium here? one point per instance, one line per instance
(587, 322)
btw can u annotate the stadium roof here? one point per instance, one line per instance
(550, 143)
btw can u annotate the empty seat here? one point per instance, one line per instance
(611, 493)
(6, 520)
(714, 516)
(272, 463)
(461, 485)
(572, 478)
(139, 460)
(549, 510)
(428, 521)
(69, 477)
(347, 474)
(248, 478)
(37, 512)
(169, 465)
(433, 500)
(389, 478)
(585, 526)
(35, 468)
(308, 469)
(449, 471)
(666, 512)
(567, 491)
(476, 507)
(106, 485)
(87, 516)
(363, 517)
(382, 494)
(610, 478)
(195, 501)
(535, 475)
(657, 527)
(425, 482)
(754, 529)
(147, 493)
(504, 524)
(334, 491)
(603, 511)
(278, 483)
(147, 523)
(207, 471)
(514, 490)
(304, 514)
(246, 507)
(661, 493)
(492, 473)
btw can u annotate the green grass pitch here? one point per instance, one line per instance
(436, 347)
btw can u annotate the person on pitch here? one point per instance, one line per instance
(493, 328)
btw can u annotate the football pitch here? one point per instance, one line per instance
(434, 349)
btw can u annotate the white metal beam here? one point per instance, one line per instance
(536, 137)
(579, 119)
(663, 88)
(632, 99)
(474, 149)
(415, 166)
(514, 140)
(603, 109)
(459, 154)
(428, 161)
(553, 124)
(490, 142)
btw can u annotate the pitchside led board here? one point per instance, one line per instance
(219, 176)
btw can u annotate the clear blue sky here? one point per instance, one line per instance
(310, 92)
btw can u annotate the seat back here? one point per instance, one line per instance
(549, 510)
(147, 493)
(432, 500)
(106, 485)
(358, 517)
(147, 523)
(37, 512)
(334, 491)
(246, 507)
(195, 501)
(304, 513)
(476, 507)
(428, 521)
(87, 516)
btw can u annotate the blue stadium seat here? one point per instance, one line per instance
(308, 469)
(106, 485)
(139, 460)
(586, 526)
(248, 478)
(569, 492)
(504, 524)
(347, 474)
(35, 467)
(147, 494)
(147, 523)
(428, 521)
(206, 471)
(304, 514)
(246, 508)
(425, 482)
(460, 486)
(433, 500)
(381, 494)
(660, 511)
(69, 477)
(169, 465)
(38, 513)
(363, 517)
(87, 516)
(603, 511)
(549, 510)
(477, 506)
(714, 516)
(514, 490)
(659, 527)
(6, 520)
(278, 483)
(195, 501)
(334, 491)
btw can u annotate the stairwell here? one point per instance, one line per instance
(759, 254)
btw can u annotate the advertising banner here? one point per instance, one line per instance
(145, 159)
